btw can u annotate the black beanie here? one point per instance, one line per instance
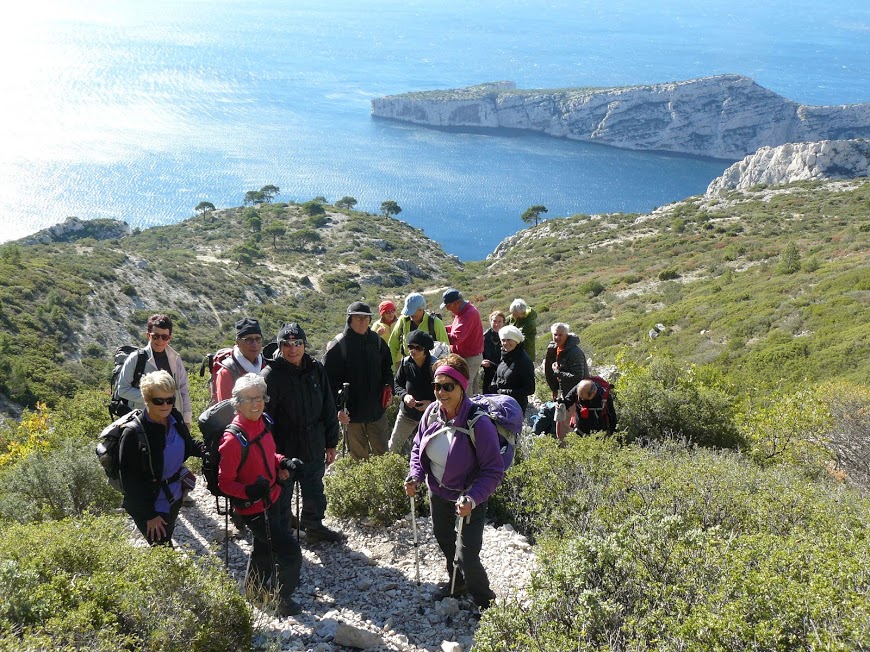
(420, 338)
(291, 331)
(247, 326)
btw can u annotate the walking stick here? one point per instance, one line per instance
(416, 541)
(297, 489)
(342, 407)
(273, 577)
(458, 552)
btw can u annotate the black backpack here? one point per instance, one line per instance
(118, 406)
(213, 423)
(109, 447)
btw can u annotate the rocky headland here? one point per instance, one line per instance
(726, 116)
(74, 228)
(827, 159)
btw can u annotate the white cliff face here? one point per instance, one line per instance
(728, 116)
(828, 159)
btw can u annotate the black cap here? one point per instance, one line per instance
(450, 296)
(247, 326)
(359, 308)
(292, 331)
(420, 338)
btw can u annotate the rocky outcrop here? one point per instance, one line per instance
(74, 228)
(727, 116)
(828, 159)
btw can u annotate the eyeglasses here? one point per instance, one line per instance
(248, 400)
(162, 401)
(159, 336)
(415, 347)
(444, 387)
(253, 339)
(293, 343)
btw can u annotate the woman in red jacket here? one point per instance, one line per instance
(249, 471)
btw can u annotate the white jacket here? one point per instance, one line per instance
(134, 397)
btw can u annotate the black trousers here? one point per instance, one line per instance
(444, 525)
(284, 553)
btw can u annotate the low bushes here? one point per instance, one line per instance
(80, 584)
(368, 489)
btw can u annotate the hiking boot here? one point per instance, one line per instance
(442, 590)
(315, 532)
(288, 607)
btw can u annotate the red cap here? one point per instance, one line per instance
(384, 306)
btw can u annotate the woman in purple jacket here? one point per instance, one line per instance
(461, 475)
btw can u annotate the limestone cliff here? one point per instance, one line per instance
(828, 159)
(74, 228)
(727, 116)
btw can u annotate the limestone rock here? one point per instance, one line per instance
(357, 637)
(726, 116)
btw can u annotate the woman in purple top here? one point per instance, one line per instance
(461, 475)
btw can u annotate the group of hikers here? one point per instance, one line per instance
(290, 412)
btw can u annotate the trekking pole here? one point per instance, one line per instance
(273, 573)
(458, 552)
(226, 530)
(297, 489)
(342, 397)
(416, 541)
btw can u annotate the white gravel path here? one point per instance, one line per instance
(366, 582)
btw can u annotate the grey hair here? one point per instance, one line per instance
(160, 380)
(560, 326)
(519, 305)
(248, 381)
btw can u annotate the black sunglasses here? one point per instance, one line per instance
(160, 336)
(161, 401)
(444, 387)
(415, 347)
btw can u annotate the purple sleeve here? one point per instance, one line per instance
(488, 459)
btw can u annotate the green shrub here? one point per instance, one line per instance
(368, 489)
(668, 274)
(667, 399)
(81, 584)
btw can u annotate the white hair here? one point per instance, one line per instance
(248, 381)
(560, 326)
(519, 305)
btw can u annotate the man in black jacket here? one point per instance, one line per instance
(303, 409)
(359, 357)
(564, 366)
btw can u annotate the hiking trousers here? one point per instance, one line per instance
(370, 438)
(404, 428)
(444, 526)
(285, 552)
(310, 479)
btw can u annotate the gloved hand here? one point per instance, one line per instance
(291, 464)
(199, 449)
(258, 489)
(386, 395)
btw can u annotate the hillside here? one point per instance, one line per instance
(767, 284)
(726, 116)
(67, 305)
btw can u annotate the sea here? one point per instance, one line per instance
(140, 110)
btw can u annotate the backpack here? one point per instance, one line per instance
(109, 447)
(213, 362)
(602, 414)
(440, 349)
(118, 406)
(213, 423)
(544, 422)
(503, 411)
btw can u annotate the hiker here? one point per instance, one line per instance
(159, 356)
(358, 356)
(414, 316)
(515, 375)
(387, 321)
(465, 333)
(526, 319)
(461, 477)
(255, 491)
(306, 426)
(491, 350)
(152, 478)
(564, 366)
(413, 386)
(246, 358)
(594, 410)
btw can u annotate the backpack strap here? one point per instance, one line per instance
(246, 443)
(432, 326)
(140, 367)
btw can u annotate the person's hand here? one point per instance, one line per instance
(155, 528)
(199, 449)
(410, 401)
(486, 364)
(422, 405)
(463, 506)
(555, 395)
(291, 464)
(343, 417)
(411, 486)
(283, 475)
(257, 490)
(331, 454)
(386, 396)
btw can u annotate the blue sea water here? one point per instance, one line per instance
(139, 111)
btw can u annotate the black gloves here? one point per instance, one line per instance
(294, 464)
(257, 490)
(199, 449)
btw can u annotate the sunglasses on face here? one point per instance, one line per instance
(415, 347)
(293, 343)
(253, 339)
(163, 401)
(248, 400)
(444, 387)
(159, 336)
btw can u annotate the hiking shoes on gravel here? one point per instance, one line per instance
(442, 590)
(316, 532)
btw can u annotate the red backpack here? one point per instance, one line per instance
(213, 362)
